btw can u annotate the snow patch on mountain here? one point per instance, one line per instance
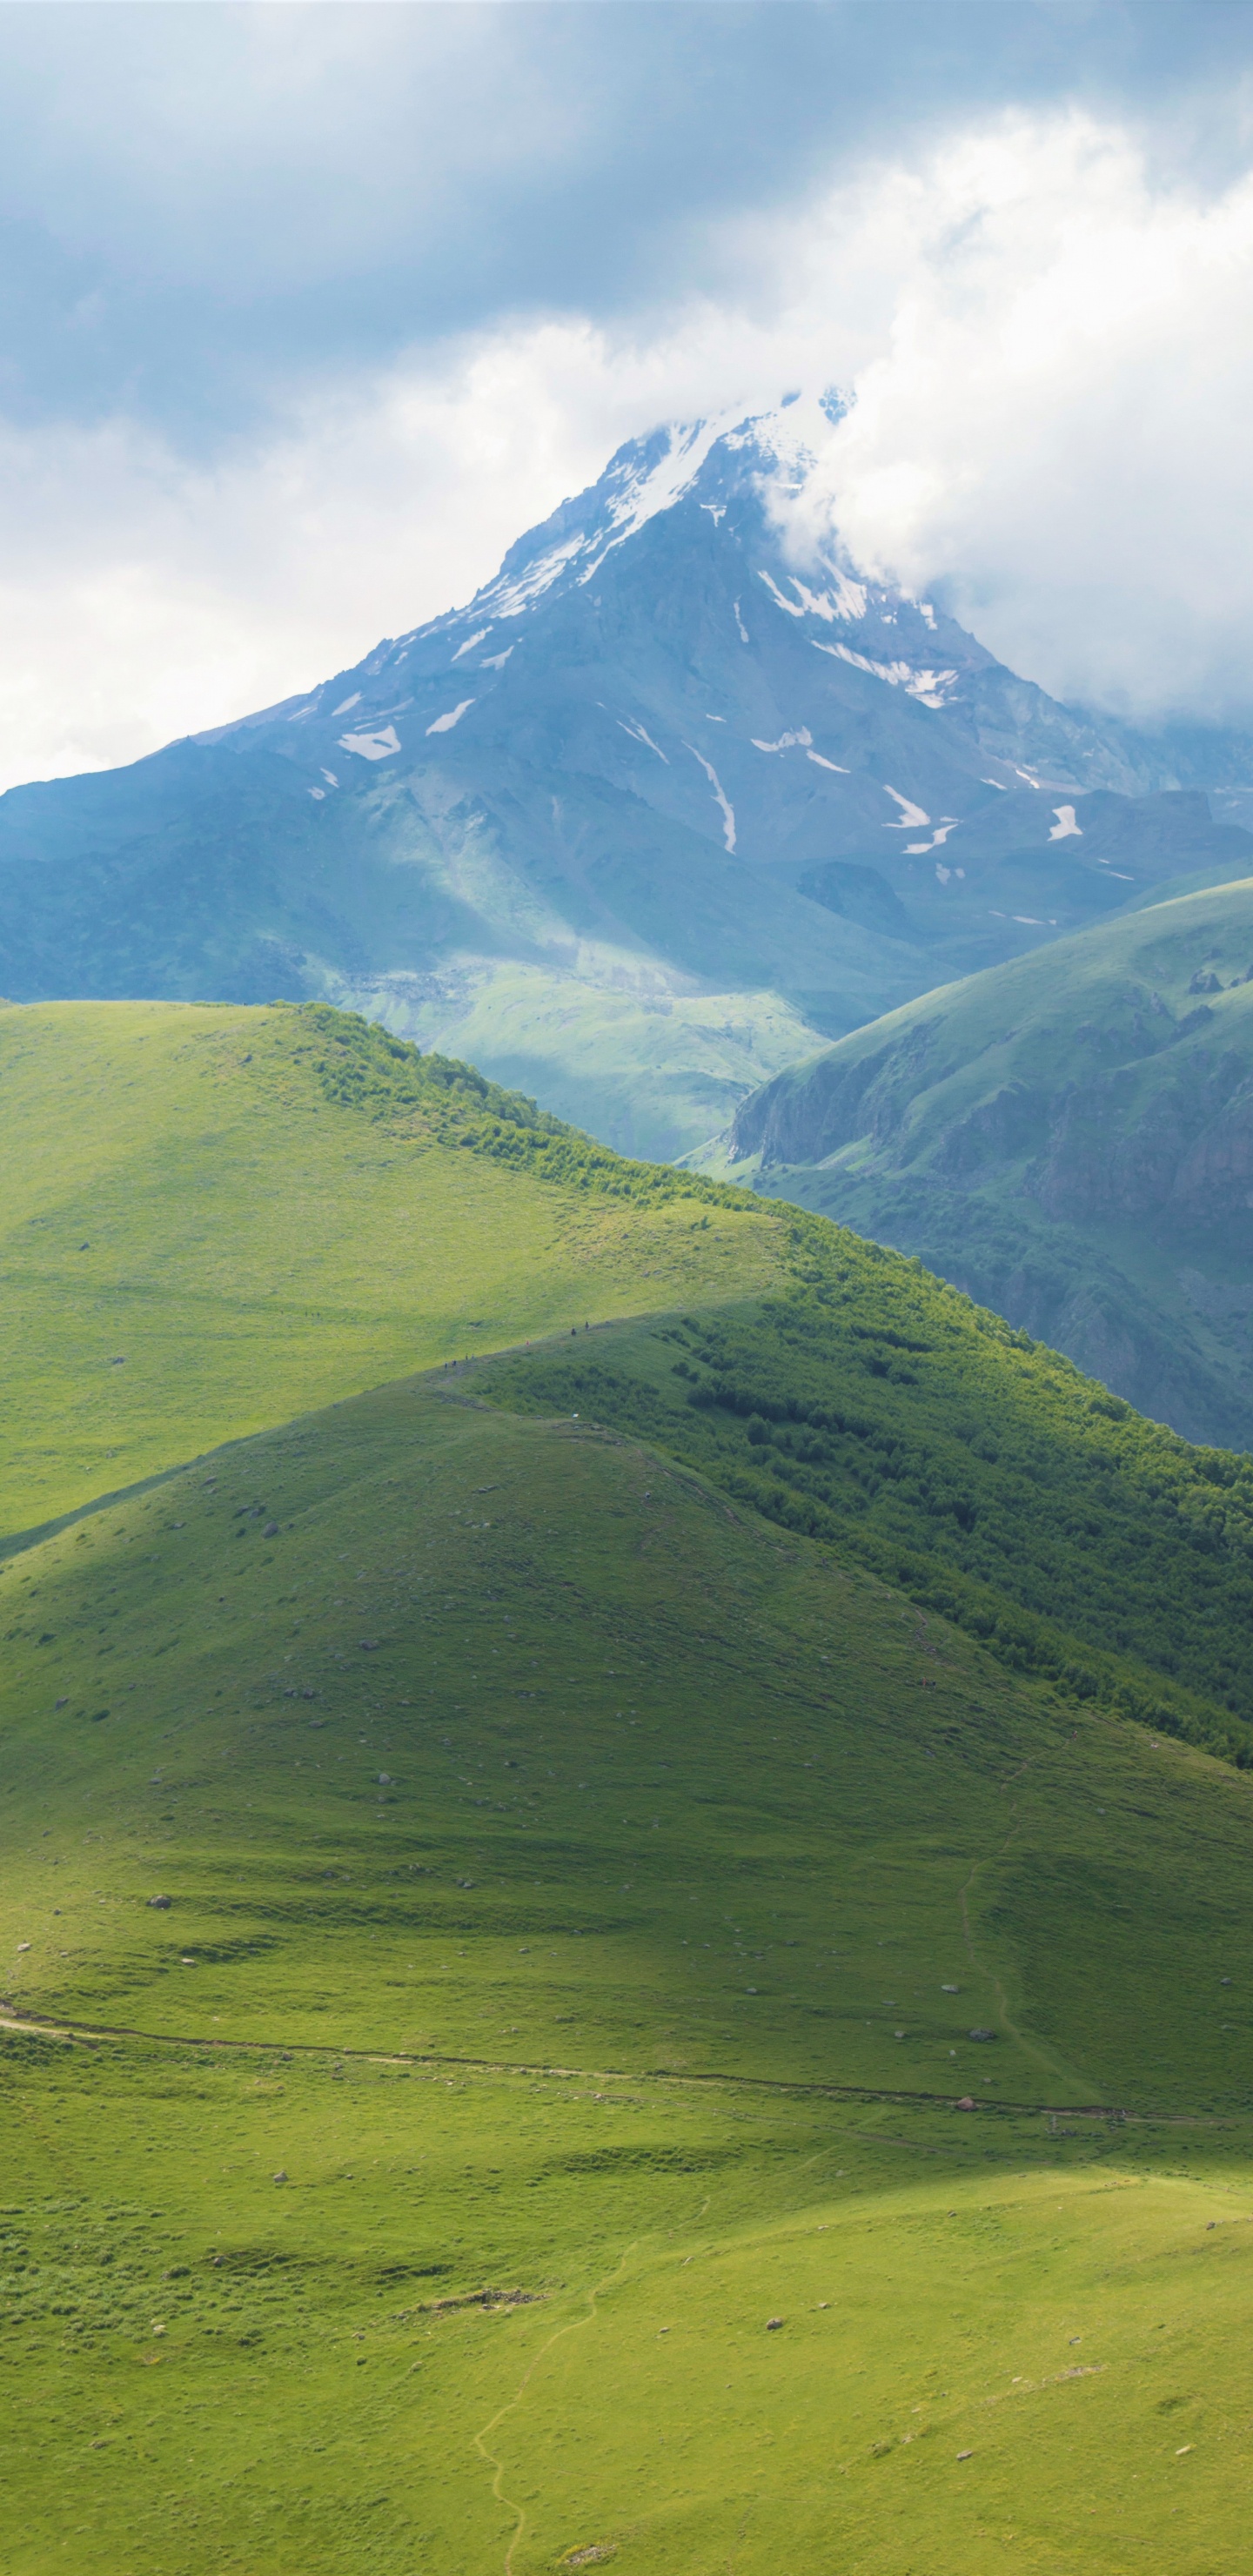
(728, 810)
(847, 600)
(638, 734)
(932, 688)
(512, 598)
(660, 484)
(372, 746)
(911, 817)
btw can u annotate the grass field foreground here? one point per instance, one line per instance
(541, 1834)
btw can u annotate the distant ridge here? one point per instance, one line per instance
(1069, 1139)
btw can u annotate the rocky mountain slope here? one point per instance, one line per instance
(664, 806)
(1070, 1138)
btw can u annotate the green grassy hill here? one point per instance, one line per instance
(1068, 1138)
(502, 2150)
(873, 1409)
(213, 1216)
(542, 1837)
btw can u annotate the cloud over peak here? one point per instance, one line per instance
(311, 311)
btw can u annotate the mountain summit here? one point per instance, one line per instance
(660, 810)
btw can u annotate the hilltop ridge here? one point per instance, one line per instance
(267, 1209)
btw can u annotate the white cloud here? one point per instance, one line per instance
(142, 597)
(1056, 424)
(1053, 371)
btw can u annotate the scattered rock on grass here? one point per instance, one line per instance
(981, 2034)
(773, 2324)
(160, 1904)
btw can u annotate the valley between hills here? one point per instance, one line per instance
(508, 1653)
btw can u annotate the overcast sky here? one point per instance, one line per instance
(305, 312)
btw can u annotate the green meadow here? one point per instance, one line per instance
(498, 2149)
(201, 1234)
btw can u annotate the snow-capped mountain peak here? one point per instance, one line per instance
(645, 477)
(666, 752)
(718, 459)
(681, 565)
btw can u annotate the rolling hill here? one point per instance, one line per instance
(502, 2140)
(212, 1217)
(666, 805)
(459, 1832)
(1067, 1139)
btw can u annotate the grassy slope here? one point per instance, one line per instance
(201, 1233)
(644, 1755)
(876, 1409)
(539, 1822)
(276, 1221)
(950, 1103)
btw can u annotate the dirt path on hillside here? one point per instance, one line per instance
(94, 2034)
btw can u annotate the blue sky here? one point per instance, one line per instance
(306, 311)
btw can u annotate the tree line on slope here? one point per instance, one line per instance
(879, 1412)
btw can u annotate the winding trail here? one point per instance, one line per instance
(575, 2326)
(1042, 2057)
